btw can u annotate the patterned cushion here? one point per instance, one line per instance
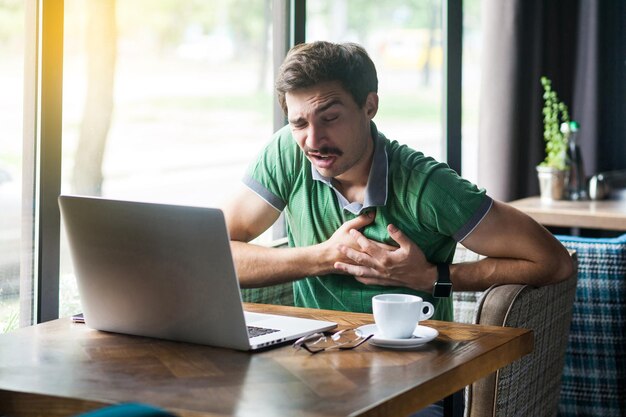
(280, 294)
(465, 302)
(594, 378)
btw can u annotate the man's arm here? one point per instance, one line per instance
(248, 215)
(518, 250)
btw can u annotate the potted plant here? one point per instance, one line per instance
(554, 169)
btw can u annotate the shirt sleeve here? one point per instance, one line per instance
(271, 175)
(451, 205)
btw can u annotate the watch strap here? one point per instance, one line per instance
(443, 285)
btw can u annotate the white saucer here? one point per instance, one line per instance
(421, 335)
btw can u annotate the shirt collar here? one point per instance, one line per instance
(376, 188)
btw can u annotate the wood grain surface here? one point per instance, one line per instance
(60, 368)
(602, 214)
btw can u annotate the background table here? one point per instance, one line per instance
(60, 368)
(602, 214)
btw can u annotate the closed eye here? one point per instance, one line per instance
(298, 124)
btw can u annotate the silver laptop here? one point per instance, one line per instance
(165, 271)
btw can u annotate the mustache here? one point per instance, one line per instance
(323, 151)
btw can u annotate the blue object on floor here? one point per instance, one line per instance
(128, 410)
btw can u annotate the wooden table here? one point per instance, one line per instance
(60, 368)
(601, 214)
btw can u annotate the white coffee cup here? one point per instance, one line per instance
(397, 315)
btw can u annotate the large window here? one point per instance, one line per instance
(169, 100)
(472, 42)
(12, 246)
(164, 101)
(404, 40)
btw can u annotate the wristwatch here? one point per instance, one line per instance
(443, 285)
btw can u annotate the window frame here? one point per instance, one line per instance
(43, 99)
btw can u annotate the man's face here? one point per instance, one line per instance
(330, 128)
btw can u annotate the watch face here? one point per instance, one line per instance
(442, 289)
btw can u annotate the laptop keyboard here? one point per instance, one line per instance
(254, 331)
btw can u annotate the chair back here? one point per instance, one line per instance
(531, 385)
(594, 377)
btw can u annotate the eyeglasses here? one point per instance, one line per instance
(343, 340)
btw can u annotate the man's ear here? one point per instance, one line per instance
(371, 105)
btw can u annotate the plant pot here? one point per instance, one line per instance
(552, 182)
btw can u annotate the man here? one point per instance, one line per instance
(364, 214)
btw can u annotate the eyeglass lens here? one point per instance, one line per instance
(343, 339)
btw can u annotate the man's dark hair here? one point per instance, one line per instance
(309, 64)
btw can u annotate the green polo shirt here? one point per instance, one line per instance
(424, 198)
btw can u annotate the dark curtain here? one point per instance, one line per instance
(578, 44)
(600, 85)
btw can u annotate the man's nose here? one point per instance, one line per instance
(316, 135)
